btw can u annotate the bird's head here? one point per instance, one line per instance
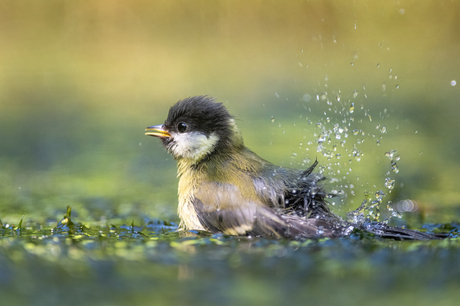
(196, 128)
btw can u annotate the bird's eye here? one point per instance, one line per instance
(181, 127)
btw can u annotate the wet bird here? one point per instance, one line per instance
(225, 187)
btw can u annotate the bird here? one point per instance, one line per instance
(224, 187)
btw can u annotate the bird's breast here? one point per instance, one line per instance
(186, 210)
(232, 185)
(231, 192)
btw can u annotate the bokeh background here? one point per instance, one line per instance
(80, 80)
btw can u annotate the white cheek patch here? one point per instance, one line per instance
(193, 145)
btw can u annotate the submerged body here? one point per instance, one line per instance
(225, 187)
(250, 196)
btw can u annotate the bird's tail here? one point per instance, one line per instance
(273, 225)
(385, 231)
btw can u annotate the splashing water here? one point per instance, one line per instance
(389, 183)
(369, 210)
(393, 157)
(341, 136)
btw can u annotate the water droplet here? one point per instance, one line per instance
(397, 86)
(306, 97)
(355, 132)
(355, 94)
(394, 166)
(384, 87)
(277, 95)
(273, 118)
(391, 153)
(383, 130)
(379, 194)
(338, 98)
(389, 183)
(352, 108)
(378, 65)
(319, 124)
(453, 83)
(357, 154)
(401, 11)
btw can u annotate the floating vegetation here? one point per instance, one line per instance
(151, 260)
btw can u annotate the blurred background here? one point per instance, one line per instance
(370, 89)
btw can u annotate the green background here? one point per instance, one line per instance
(80, 80)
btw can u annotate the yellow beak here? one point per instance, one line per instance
(157, 131)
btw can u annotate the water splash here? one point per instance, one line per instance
(369, 210)
(394, 213)
(390, 183)
(393, 157)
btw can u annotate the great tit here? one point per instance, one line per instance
(225, 187)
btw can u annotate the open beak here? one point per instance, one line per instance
(157, 131)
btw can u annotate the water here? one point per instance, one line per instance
(150, 261)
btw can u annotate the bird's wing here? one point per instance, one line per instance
(294, 190)
(221, 207)
(306, 195)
